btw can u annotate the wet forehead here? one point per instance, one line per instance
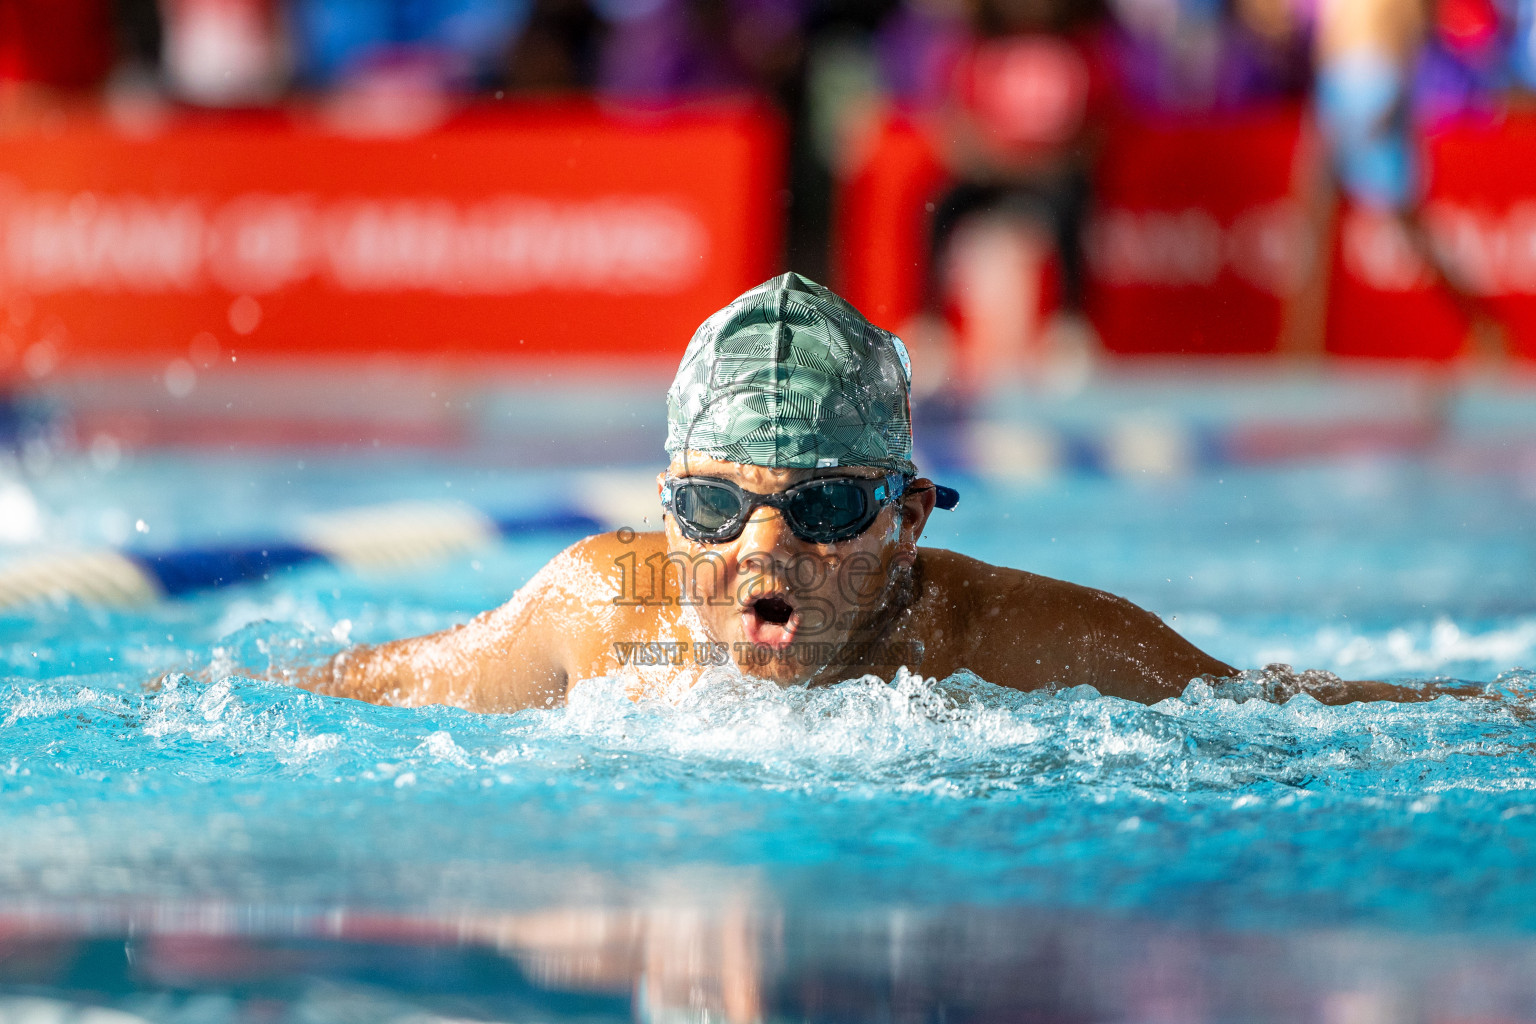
(761, 479)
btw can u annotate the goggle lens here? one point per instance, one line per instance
(706, 506)
(826, 511)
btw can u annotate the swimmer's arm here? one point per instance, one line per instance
(1032, 632)
(1328, 688)
(487, 664)
(1138, 656)
(1141, 658)
(504, 660)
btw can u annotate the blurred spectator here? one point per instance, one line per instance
(1385, 70)
(458, 44)
(557, 50)
(660, 48)
(139, 37)
(1018, 84)
(1268, 53)
(1197, 55)
(1523, 44)
(1024, 104)
(832, 100)
(223, 53)
(1167, 52)
(1464, 66)
(918, 48)
(1366, 50)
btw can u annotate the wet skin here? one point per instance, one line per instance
(787, 610)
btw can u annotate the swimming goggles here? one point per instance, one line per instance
(821, 511)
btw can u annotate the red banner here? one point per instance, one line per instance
(544, 230)
(1195, 235)
(1481, 216)
(1191, 242)
(882, 222)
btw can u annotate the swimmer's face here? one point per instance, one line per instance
(782, 604)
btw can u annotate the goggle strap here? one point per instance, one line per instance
(943, 497)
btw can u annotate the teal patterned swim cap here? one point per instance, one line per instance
(790, 375)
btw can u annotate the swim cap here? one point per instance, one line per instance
(791, 376)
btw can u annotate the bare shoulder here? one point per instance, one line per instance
(584, 582)
(998, 589)
(591, 592)
(604, 566)
(1004, 607)
(1030, 631)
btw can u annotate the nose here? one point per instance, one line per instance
(766, 534)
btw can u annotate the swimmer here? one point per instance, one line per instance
(789, 552)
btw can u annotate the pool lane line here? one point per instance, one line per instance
(381, 537)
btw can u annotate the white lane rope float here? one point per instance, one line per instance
(380, 537)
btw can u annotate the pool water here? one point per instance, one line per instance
(878, 850)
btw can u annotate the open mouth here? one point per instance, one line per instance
(770, 620)
(773, 609)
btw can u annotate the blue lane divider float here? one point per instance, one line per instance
(387, 536)
(193, 569)
(182, 572)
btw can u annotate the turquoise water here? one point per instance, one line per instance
(1209, 815)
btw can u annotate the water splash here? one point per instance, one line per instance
(1213, 804)
(961, 737)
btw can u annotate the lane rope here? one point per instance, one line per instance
(382, 537)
